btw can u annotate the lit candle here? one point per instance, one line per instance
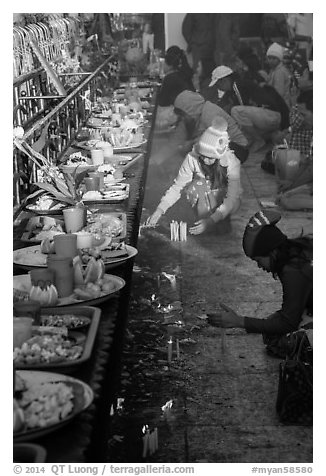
(170, 350)
(156, 439)
(145, 445)
(178, 349)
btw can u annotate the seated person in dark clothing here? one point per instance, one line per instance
(265, 114)
(178, 78)
(226, 89)
(290, 261)
(258, 110)
(252, 68)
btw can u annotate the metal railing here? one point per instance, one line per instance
(53, 134)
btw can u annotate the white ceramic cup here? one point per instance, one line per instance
(107, 151)
(97, 156)
(84, 240)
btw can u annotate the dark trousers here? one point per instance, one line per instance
(240, 151)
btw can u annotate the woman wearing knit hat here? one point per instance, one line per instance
(290, 261)
(210, 175)
(279, 77)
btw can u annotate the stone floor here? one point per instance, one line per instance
(220, 392)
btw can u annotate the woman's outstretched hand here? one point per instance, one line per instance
(200, 226)
(226, 318)
(154, 218)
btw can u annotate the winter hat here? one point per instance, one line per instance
(190, 102)
(214, 141)
(219, 73)
(261, 235)
(275, 50)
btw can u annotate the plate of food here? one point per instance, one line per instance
(93, 293)
(112, 194)
(54, 345)
(46, 205)
(99, 122)
(110, 225)
(45, 401)
(40, 227)
(76, 162)
(112, 255)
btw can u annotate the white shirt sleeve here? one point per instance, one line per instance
(184, 177)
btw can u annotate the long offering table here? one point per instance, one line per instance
(85, 438)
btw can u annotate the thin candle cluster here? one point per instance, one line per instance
(150, 441)
(178, 231)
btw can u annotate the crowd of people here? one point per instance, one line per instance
(242, 105)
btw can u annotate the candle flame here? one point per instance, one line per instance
(167, 405)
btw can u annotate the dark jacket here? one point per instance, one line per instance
(268, 97)
(197, 30)
(297, 287)
(251, 95)
(173, 84)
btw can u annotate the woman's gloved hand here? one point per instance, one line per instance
(154, 218)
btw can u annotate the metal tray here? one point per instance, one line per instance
(90, 332)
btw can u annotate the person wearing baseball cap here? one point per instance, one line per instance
(223, 89)
(257, 108)
(290, 261)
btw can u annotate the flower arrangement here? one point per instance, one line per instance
(61, 186)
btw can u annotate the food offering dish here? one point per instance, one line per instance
(113, 252)
(101, 226)
(45, 401)
(40, 227)
(83, 293)
(113, 255)
(112, 224)
(111, 194)
(46, 205)
(77, 162)
(55, 345)
(133, 145)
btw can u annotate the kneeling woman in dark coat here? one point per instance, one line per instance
(290, 261)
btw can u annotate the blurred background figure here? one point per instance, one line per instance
(148, 40)
(279, 76)
(177, 78)
(226, 36)
(198, 31)
(301, 30)
(274, 28)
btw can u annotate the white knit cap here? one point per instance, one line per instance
(275, 50)
(219, 73)
(214, 141)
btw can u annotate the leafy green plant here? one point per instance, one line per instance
(61, 186)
